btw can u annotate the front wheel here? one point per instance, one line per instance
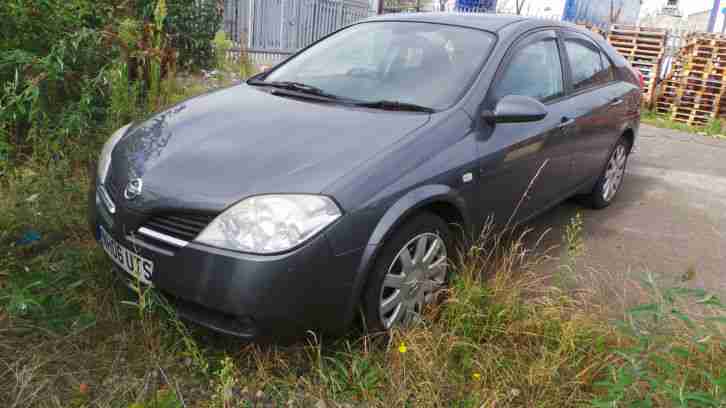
(411, 268)
(610, 181)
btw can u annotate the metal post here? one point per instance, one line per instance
(380, 6)
(297, 43)
(282, 25)
(250, 23)
(714, 15)
(340, 15)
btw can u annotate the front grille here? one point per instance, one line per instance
(185, 227)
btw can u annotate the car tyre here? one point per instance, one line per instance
(409, 272)
(610, 181)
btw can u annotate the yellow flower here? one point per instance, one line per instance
(402, 348)
(476, 376)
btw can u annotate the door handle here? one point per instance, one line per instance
(616, 102)
(566, 122)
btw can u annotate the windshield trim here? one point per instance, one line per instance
(262, 76)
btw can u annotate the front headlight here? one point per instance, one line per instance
(270, 223)
(104, 161)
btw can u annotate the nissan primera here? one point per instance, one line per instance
(336, 182)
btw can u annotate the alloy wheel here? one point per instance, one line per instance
(417, 272)
(614, 173)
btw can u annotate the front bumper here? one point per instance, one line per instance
(249, 296)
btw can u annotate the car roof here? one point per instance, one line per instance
(482, 21)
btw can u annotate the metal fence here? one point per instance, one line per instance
(270, 30)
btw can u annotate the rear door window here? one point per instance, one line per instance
(587, 65)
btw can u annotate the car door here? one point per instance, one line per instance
(598, 104)
(526, 166)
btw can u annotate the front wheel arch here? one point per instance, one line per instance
(439, 199)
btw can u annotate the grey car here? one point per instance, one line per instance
(338, 181)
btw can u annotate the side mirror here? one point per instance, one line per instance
(516, 109)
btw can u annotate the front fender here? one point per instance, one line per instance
(393, 217)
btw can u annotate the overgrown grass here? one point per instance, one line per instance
(501, 337)
(504, 335)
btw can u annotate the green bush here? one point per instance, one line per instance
(61, 63)
(66, 65)
(191, 26)
(49, 65)
(48, 98)
(35, 26)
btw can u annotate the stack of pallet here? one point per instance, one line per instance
(695, 91)
(644, 48)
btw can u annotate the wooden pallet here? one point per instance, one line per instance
(708, 36)
(709, 42)
(644, 47)
(715, 54)
(697, 100)
(640, 55)
(698, 66)
(638, 32)
(706, 76)
(695, 90)
(715, 57)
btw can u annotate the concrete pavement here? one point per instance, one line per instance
(669, 217)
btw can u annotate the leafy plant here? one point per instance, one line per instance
(155, 59)
(41, 100)
(226, 380)
(124, 95)
(574, 249)
(350, 374)
(222, 45)
(43, 293)
(715, 127)
(664, 359)
(165, 398)
(180, 331)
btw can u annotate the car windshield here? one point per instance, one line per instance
(425, 64)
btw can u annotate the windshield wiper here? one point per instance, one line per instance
(395, 106)
(294, 86)
(312, 90)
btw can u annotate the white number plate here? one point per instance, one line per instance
(133, 264)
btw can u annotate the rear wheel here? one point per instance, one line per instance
(409, 272)
(610, 181)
